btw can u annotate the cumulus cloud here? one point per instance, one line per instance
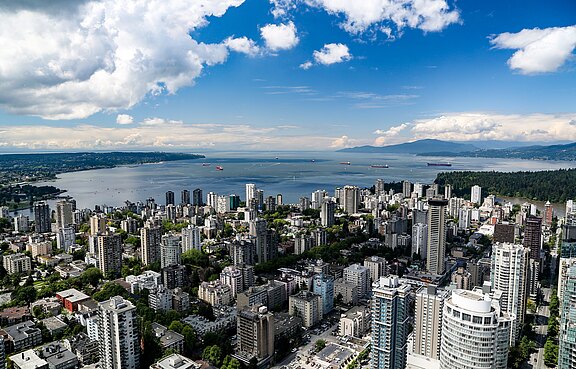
(103, 55)
(380, 15)
(280, 36)
(306, 65)
(124, 119)
(242, 45)
(486, 126)
(539, 50)
(391, 135)
(332, 53)
(342, 142)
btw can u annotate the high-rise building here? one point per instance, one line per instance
(42, 217)
(533, 241)
(118, 334)
(567, 331)
(548, 214)
(264, 240)
(420, 239)
(406, 189)
(504, 232)
(351, 199)
(476, 194)
(359, 276)
(191, 238)
(279, 199)
(390, 323)
(97, 224)
(250, 192)
(197, 199)
(327, 210)
(231, 276)
(323, 285)
(170, 250)
(150, 239)
(212, 199)
(185, 197)
(256, 332)
(270, 204)
(242, 252)
(508, 276)
(174, 276)
(306, 305)
(379, 186)
(428, 321)
(448, 191)
(475, 332)
(234, 201)
(436, 236)
(376, 265)
(64, 215)
(169, 198)
(109, 254)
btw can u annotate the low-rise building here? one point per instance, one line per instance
(87, 350)
(355, 322)
(14, 315)
(225, 317)
(21, 336)
(307, 306)
(58, 356)
(345, 292)
(215, 293)
(17, 263)
(175, 361)
(70, 298)
(54, 325)
(169, 340)
(28, 360)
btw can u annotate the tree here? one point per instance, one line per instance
(109, 290)
(550, 353)
(176, 326)
(320, 344)
(213, 354)
(92, 276)
(189, 338)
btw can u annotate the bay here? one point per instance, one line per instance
(293, 174)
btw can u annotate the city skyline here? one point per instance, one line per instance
(288, 74)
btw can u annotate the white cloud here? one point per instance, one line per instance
(332, 53)
(306, 65)
(242, 45)
(380, 15)
(102, 55)
(342, 142)
(124, 119)
(539, 50)
(487, 126)
(280, 36)
(391, 135)
(160, 134)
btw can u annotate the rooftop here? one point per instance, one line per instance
(73, 295)
(28, 359)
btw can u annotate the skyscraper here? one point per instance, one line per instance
(64, 216)
(250, 192)
(256, 332)
(436, 235)
(351, 199)
(406, 189)
(170, 250)
(42, 217)
(359, 276)
(533, 241)
(264, 240)
(379, 186)
(447, 191)
(150, 239)
(97, 224)
(428, 321)
(197, 199)
(185, 197)
(118, 334)
(169, 198)
(476, 194)
(327, 212)
(567, 331)
(475, 333)
(420, 239)
(389, 308)
(376, 266)
(191, 238)
(508, 276)
(109, 254)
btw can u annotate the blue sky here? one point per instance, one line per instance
(284, 74)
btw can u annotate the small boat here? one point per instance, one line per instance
(379, 166)
(276, 158)
(218, 167)
(205, 164)
(439, 164)
(345, 162)
(313, 160)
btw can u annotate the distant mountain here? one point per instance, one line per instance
(536, 152)
(416, 147)
(498, 144)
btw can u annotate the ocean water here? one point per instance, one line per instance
(293, 174)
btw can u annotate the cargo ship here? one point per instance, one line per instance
(379, 166)
(345, 162)
(439, 164)
(205, 164)
(218, 167)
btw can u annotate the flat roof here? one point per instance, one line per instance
(73, 295)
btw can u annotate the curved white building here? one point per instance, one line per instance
(475, 333)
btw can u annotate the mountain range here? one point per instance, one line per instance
(431, 147)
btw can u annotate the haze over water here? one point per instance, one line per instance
(293, 174)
